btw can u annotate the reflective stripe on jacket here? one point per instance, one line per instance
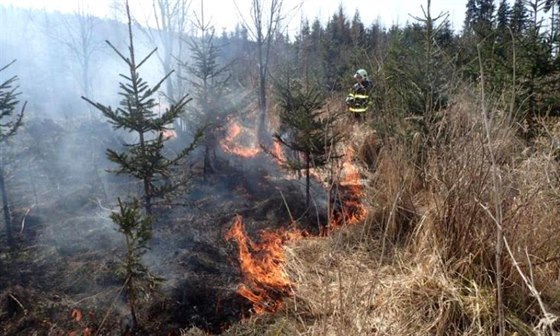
(357, 103)
(358, 100)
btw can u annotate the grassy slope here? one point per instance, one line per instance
(423, 263)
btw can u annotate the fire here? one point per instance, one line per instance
(277, 152)
(350, 174)
(168, 134)
(76, 316)
(349, 210)
(229, 143)
(264, 280)
(265, 283)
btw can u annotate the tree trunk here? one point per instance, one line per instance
(207, 168)
(264, 137)
(6, 209)
(307, 180)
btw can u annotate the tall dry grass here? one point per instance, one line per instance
(423, 263)
(454, 179)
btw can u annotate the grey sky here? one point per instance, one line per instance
(224, 14)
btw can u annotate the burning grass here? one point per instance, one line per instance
(342, 288)
(264, 280)
(425, 261)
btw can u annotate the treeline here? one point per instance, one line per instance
(512, 47)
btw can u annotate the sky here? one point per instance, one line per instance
(224, 13)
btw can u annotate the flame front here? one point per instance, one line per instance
(229, 143)
(278, 153)
(168, 134)
(349, 191)
(265, 283)
(264, 280)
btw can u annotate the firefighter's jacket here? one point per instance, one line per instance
(358, 99)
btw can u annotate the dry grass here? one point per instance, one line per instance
(343, 289)
(424, 261)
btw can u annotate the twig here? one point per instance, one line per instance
(548, 318)
(498, 219)
(111, 307)
(101, 206)
(19, 303)
(388, 222)
(287, 207)
(91, 297)
(23, 219)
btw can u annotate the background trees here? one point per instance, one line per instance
(10, 121)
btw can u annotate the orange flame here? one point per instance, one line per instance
(168, 134)
(229, 145)
(277, 152)
(76, 315)
(264, 280)
(349, 192)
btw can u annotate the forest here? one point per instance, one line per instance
(171, 179)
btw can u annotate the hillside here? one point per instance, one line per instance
(196, 184)
(421, 262)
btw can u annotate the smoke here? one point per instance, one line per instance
(56, 167)
(63, 194)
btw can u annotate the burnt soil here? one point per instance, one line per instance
(62, 275)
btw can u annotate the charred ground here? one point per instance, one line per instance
(63, 275)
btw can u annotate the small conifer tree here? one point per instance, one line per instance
(9, 124)
(137, 232)
(145, 159)
(307, 130)
(214, 101)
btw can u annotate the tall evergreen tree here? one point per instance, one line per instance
(358, 32)
(236, 51)
(502, 17)
(479, 17)
(535, 65)
(145, 159)
(336, 46)
(519, 16)
(317, 34)
(502, 67)
(419, 68)
(9, 124)
(553, 7)
(471, 15)
(486, 17)
(302, 46)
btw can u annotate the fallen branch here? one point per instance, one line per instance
(19, 303)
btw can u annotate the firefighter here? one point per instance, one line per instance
(358, 100)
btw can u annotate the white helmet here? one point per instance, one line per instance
(361, 73)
